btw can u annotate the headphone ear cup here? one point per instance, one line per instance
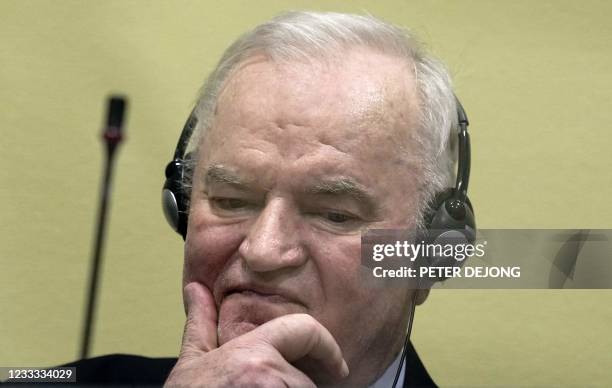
(449, 222)
(174, 201)
(460, 216)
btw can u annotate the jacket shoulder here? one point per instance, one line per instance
(122, 369)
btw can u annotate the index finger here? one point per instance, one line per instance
(298, 335)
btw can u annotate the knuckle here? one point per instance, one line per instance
(257, 365)
(311, 328)
(256, 371)
(307, 322)
(186, 354)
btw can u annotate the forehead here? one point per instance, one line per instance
(362, 91)
(351, 111)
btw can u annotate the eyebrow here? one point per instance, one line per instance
(218, 173)
(337, 187)
(346, 187)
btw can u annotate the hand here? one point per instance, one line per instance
(259, 358)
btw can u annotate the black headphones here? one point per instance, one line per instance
(175, 201)
(450, 216)
(449, 219)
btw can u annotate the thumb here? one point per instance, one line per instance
(200, 332)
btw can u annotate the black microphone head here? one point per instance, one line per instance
(115, 111)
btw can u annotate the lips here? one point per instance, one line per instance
(259, 293)
(273, 298)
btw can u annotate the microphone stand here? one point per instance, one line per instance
(112, 136)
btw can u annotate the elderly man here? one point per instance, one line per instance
(313, 129)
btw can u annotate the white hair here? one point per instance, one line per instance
(303, 36)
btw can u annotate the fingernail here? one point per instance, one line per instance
(345, 369)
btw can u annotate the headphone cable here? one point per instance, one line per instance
(406, 341)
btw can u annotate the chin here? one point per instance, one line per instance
(238, 315)
(227, 331)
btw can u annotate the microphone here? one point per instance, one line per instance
(114, 121)
(112, 136)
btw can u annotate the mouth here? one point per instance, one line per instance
(257, 294)
(243, 308)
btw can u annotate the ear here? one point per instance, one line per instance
(421, 296)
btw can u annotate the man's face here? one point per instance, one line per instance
(299, 161)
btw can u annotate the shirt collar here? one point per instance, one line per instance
(386, 380)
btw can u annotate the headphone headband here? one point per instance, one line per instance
(464, 159)
(183, 142)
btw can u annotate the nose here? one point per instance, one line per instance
(274, 239)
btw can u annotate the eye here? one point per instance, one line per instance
(335, 221)
(337, 218)
(229, 203)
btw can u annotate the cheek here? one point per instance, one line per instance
(348, 298)
(208, 249)
(339, 265)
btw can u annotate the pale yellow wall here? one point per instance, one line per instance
(533, 75)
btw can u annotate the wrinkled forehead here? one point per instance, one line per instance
(363, 104)
(360, 87)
